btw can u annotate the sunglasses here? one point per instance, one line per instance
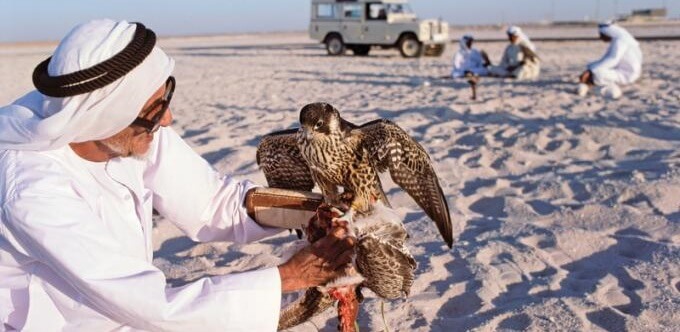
(154, 124)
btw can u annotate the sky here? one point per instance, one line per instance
(47, 20)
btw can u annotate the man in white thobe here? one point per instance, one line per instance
(82, 165)
(620, 65)
(469, 60)
(519, 58)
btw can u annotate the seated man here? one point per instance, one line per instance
(469, 60)
(519, 59)
(470, 63)
(621, 64)
(83, 162)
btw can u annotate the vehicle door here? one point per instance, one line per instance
(351, 25)
(375, 27)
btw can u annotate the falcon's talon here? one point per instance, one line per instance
(347, 217)
(337, 211)
(346, 220)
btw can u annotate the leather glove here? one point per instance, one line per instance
(282, 208)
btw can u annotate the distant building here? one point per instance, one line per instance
(646, 15)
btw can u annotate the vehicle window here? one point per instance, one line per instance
(376, 11)
(352, 11)
(325, 10)
(398, 8)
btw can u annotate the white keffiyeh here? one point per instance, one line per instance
(38, 122)
(622, 63)
(522, 37)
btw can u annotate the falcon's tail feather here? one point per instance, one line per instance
(312, 303)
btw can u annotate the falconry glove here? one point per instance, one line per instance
(282, 208)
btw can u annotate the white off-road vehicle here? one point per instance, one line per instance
(359, 24)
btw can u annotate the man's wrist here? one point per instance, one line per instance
(289, 281)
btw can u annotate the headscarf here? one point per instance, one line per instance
(463, 42)
(38, 122)
(616, 33)
(522, 38)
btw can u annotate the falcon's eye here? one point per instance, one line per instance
(318, 124)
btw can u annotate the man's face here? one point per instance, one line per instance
(135, 141)
(513, 38)
(468, 42)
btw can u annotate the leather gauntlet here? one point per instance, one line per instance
(282, 208)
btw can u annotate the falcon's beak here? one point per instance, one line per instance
(306, 134)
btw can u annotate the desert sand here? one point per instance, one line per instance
(566, 210)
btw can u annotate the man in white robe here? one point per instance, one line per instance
(620, 65)
(519, 58)
(469, 60)
(79, 177)
(470, 63)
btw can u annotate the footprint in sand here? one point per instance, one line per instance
(506, 137)
(490, 207)
(608, 291)
(608, 319)
(519, 322)
(541, 241)
(471, 187)
(510, 272)
(541, 207)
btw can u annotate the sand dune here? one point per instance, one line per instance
(565, 209)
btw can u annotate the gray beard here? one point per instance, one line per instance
(120, 150)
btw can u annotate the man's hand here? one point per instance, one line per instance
(586, 77)
(318, 263)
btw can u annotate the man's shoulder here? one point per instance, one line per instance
(26, 170)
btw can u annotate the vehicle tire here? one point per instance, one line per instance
(409, 46)
(335, 45)
(435, 50)
(361, 50)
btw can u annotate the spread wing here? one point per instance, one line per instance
(279, 158)
(391, 148)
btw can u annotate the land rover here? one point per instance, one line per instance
(358, 25)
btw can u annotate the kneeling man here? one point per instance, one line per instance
(622, 64)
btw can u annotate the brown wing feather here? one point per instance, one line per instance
(279, 158)
(387, 266)
(391, 148)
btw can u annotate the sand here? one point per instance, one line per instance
(565, 209)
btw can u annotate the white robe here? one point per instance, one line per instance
(513, 56)
(622, 63)
(76, 251)
(468, 59)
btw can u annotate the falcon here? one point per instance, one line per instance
(330, 152)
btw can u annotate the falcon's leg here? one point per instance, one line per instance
(329, 191)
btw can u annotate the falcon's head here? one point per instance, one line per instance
(319, 120)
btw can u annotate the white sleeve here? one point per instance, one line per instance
(458, 61)
(59, 229)
(611, 58)
(456, 70)
(192, 195)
